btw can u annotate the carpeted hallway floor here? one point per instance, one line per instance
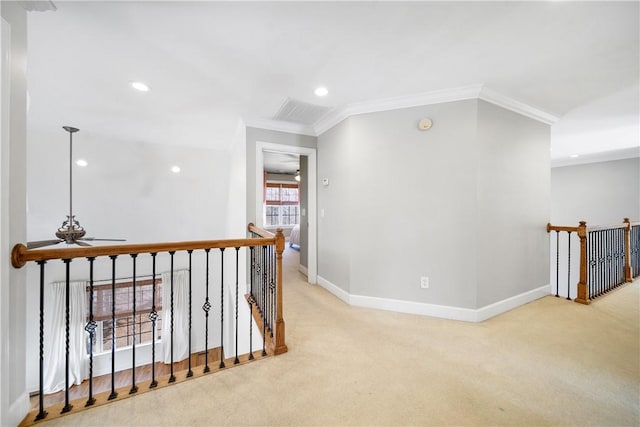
(551, 362)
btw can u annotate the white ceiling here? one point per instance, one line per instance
(211, 64)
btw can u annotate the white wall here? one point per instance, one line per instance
(599, 193)
(396, 230)
(513, 204)
(452, 204)
(13, 399)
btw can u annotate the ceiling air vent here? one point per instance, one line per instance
(300, 112)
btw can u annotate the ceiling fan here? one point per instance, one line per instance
(70, 232)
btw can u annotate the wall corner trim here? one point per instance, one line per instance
(334, 289)
(515, 301)
(18, 409)
(303, 269)
(516, 106)
(435, 310)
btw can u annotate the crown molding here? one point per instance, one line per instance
(604, 156)
(337, 115)
(463, 93)
(516, 106)
(280, 126)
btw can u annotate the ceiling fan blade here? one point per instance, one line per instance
(79, 243)
(102, 240)
(42, 243)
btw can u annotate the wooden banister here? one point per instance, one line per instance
(20, 255)
(583, 286)
(628, 273)
(260, 232)
(584, 294)
(551, 228)
(281, 347)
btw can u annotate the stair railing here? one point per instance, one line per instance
(609, 256)
(264, 295)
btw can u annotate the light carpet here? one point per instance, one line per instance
(550, 362)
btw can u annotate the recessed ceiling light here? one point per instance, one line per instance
(140, 86)
(573, 156)
(175, 169)
(81, 162)
(321, 91)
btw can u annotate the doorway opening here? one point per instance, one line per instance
(279, 211)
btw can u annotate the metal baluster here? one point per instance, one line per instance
(614, 259)
(272, 287)
(134, 387)
(91, 329)
(222, 308)
(603, 272)
(172, 378)
(67, 407)
(590, 251)
(601, 262)
(264, 313)
(557, 261)
(189, 372)
(251, 301)
(153, 316)
(236, 360)
(607, 272)
(41, 412)
(113, 394)
(206, 307)
(569, 265)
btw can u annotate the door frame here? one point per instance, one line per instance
(312, 239)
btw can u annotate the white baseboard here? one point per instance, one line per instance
(335, 290)
(302, 269)
(18, 410)
(505, 305)
(435, 310)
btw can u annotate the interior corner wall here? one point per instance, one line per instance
(254, 135)
(13, 398)
(400, 205)
(599, 193)
(304, 208)
(335, 209)
(513, 200)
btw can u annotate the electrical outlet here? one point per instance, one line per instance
(424, 282)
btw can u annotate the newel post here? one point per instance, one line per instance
(583, 286)
(628, 274)
(281, 347)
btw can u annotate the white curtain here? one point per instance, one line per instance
(54, 335)
(180, 313)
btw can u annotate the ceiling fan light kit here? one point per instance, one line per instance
(70, 232)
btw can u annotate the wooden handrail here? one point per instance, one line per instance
(606, 227)
(20, 255)
(560, 228)
(260, 232)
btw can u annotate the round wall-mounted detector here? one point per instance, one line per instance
(425, 124)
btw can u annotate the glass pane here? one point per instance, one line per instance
(271, 215)
(273, 194)
(289, 194)
(290, 215)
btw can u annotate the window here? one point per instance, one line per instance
(282, 204)
(102, 297)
